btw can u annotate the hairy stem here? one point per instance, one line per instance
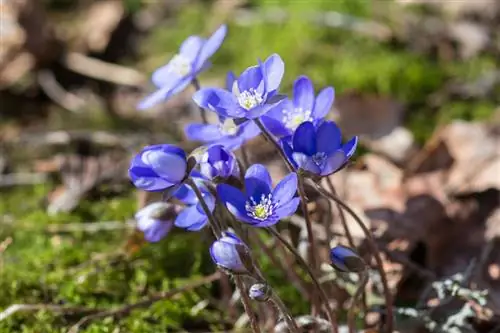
(196, 85)
(374, 250)
(213, 223)
(246, 304)
(275, 143)
(322, 293)
(352, 306)
(290, 321)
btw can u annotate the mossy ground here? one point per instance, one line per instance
(82, 269)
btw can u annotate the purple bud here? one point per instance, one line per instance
(259, 292)
(218, 163)
(346, 260)
(231, 254)
(155, 220)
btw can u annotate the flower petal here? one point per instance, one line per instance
(218, 100)
(274, 68)
(288, 151)
(234, 200)
(251, 78)
(328, 137)
(189, 217)
(286, 189)
(248, 131)
(304, 139)
(230, 80)
(257, 181)
(288, 209)
(161, 95)
(212, 45)
(303, 93)
(274, 124)
(334, 162)
(350, 147)
(186, 194)
(203, 132)
(168, 166)
(192, 47)
(323, 103)
(306, 163)
(144, 177)
(258, 111)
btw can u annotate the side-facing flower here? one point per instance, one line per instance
(218, 163)
(159, 167)
(283, 119)
(345, 259)
(155, 220)
(231, 254)
(193, 217)
(251, 95)
(319, 151)
(260, 205)
(183, 67)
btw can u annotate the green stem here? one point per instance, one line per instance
(374, 250)
(196, 85)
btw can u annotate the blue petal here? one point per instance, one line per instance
(288, 209)
(170, 167)
(274, 125)
(203, 132)
(144, 177)
(161, 95)
(350, 147)
(251, 78)
(192, 47)
(274, 68)
(249, 131)
(303, 93)
(186, 194)
(272, 220)
(334, 162)
(306, 162)
(212, 44)
(234, 200)
(257, 181)
(258, 111)
(230, 79)
(165, 76)
(157, 231)
(323, 103)
(328, 137)
(231, 142)
(304, 139)
(226, 255)
(288, 151)
(218, 100)
(286, 189)
(189, 217)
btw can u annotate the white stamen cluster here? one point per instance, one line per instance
(293, 118)
(261, 210)
(319, 158)
(180, 65)
(249, 99)
(228, 127)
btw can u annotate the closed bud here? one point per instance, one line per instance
(260, 292)
(346, 260)
(232, 255)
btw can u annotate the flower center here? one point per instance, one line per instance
(180, 65)
(261, 210)
(228, 127)
(319, 158)
(249, 99)
(293, 118)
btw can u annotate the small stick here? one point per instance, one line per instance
(246, 304)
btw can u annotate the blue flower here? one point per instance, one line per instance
(284, 119)
(346, 260)
(231, 254)
(218, 163)
(183, 67)
(193, 217)
(158, 167)
(156, 220)
(251, 95)
(226, 132)
(260, 205)
(319, 151)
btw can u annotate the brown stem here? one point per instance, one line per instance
(374, 250)
(322, 293)
(246, 304)
(271, 139)
(196, 85)
(359, 291)
(342, 215)
(211, 219)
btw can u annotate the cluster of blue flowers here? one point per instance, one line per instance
(249, 104)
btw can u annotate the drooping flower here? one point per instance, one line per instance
(231, 254)
(251, 95)
(193, 217)
(159, 167)
(156, 220)
(226, 132)
(218, 163)
(260, 205)
(345, 259)
(183, 67)
(283, 119)
(319, 151)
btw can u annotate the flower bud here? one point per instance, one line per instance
(231, 254)
(218, 163)
(346, 260)
(260, 292)
(155, 220)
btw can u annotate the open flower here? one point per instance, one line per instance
(158, 168)
(284, 119)
(319, 151)
(183, 67)
(251, 95)
(260, 205)
(218, 163)
(156, 220)
(231, 254)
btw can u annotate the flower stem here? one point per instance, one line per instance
(290, 321)
(359, 291)
(374, 250)
(275, 143)
(211, 219)
(322, 293)
(246, 304)
(196, 85)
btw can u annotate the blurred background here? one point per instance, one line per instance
(418, 80)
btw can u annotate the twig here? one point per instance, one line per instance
(47, 81)
(246, 304)
(124, 310)
(91, 227)
(38, 307)
(359, 291)
(15, 179)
